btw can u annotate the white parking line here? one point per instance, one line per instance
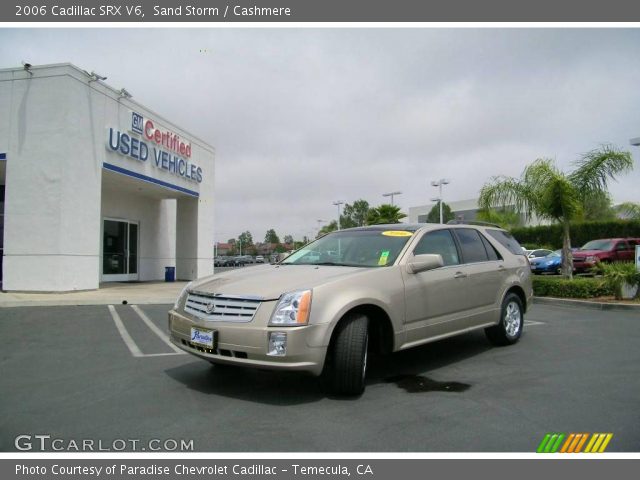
(128, 340)
(533, 322)
(163, 336)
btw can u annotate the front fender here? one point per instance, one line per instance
(382, 288)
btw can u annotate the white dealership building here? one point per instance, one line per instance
(95, 187)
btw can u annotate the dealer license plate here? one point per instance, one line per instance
(203, 337)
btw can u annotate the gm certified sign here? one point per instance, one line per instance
(136, 122)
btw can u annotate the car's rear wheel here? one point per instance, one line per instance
(346, 366)
(509, 330)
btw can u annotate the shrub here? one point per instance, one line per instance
(618, 273)
(581, 233)
(575, 288)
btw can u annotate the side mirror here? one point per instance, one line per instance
(422, 263)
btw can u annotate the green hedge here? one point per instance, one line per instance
(576, 288)
(581, 233)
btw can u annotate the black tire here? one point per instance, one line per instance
(346, 365)
(509, 330)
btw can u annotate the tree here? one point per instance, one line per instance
(245, 240)
(507, 218)
(271, 236)
(628, 210)
(299, 244)
(598, 208)
(288, 239)
(434, 214)
(549, 193)
(355, 215)
(333, 225)
(384, 214)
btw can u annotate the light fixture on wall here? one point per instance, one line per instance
(123, 93)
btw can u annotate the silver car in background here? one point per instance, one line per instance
(380, 288)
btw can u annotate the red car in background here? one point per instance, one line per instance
(604, 250)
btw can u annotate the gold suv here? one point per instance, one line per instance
(384, 288)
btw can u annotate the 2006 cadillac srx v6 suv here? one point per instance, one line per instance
(383, 288)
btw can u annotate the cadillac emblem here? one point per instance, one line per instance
(210, 307)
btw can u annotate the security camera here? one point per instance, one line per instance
(123, 93)
(27, 67)
(97, 76)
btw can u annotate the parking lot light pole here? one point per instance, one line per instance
(391, 194)
(338, 203)
(439, 183)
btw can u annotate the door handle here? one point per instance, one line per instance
(460, 275)
(501, 269)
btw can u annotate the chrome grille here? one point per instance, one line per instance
(226, 308)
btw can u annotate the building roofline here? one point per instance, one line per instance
(112, 90)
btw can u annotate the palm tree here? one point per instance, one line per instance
(628, 210)
(384, 214)
(547, 192)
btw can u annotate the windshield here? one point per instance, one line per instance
(353, 248)
(597, 245)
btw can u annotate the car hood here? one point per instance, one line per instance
(586, 253)
(270, 281)
(541, 259)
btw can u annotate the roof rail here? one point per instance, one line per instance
(472, 222)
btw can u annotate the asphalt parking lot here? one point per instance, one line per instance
(71, 373)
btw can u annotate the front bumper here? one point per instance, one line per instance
(246, 344)
(536, 268)
(580, 266)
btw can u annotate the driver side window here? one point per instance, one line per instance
(439, 242)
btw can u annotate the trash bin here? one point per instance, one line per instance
(169, 274)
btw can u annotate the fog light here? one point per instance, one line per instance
(277, 344)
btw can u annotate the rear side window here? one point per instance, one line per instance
(622, 246)
(471, 245)
(506, 240)
(491, 250)
(439, 242)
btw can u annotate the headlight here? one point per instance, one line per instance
(590, 259)
(292, 309)
(182, 294)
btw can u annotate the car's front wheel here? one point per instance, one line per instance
(346, 366)
(509, 330)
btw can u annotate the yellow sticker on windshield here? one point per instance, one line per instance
(397, 233)
(384, 256)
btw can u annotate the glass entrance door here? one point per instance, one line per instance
(119, 251)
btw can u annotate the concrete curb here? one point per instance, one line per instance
(76, 303)
(144, 293)
(569, 302)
